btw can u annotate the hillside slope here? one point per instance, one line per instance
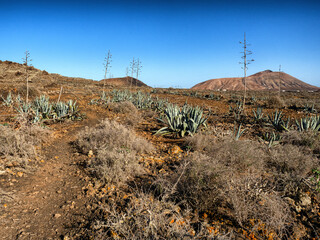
(124, 82)
(13, 73)
(265, 80)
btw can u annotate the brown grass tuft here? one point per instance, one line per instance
(17, 146)
(275, 102)
(115, 149)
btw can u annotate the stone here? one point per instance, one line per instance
(90, 154)
(57, 215)
(305, 200)
(175, 150)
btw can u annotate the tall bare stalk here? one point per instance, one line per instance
(138, 69)
(132, 67)
(279, 80)
(245, 63)
(107, 66)
(26, 61)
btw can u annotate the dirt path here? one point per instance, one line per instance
(48, 202)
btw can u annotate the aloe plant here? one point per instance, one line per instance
(182, 121)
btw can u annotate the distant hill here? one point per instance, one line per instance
(265, 80)
(123, 82)
(13, 73)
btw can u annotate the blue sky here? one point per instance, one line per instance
(180, 43)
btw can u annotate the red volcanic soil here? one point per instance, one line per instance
(265, 80)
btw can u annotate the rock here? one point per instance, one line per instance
(175, 150)
(290, 201)
(57, 215)
(305, 200)
(90, 154)
(298, 208)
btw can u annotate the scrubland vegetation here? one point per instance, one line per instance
(175, 168)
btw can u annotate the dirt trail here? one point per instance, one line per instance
(49, 201)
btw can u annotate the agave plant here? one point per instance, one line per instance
(237, 110)
(42, 106)
(308, 123)
(141, 100)
(24, 108)
(237, 132)
(19, 99)
(309, 108)
(8, 100)
(258, 115)
(182, 121)
(66, 110)
(159, 104)
(272, 138)
(121, 96)
(278, 123)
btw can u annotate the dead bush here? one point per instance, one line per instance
(275, 102)
(149, 114)
(115, 149)
(115, 165)
(251, 197)
(199, 142)
(240, 156)
(291, 160)
(33, 91)
(5, 196)
(123, 107)
(110, 134)
(132, 115)
(17, 146)
(146, 218)
(204, 141)
(309, 139)
(231, 174)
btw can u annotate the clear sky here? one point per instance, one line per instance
(180, 43)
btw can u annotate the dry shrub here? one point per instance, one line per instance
(149, 114)
(275, 102)
(199, 142)
(132, 115)
(251, 198)
(309, 139)
(5, 196)
(33, 91)
(291, 160)
(146, 218)
(115, 149)
(123, 107)
(201, 180)
(17, 146)
(233, 174)
(110, 134)
(204, 141)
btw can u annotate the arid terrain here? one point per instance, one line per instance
(126, 161)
